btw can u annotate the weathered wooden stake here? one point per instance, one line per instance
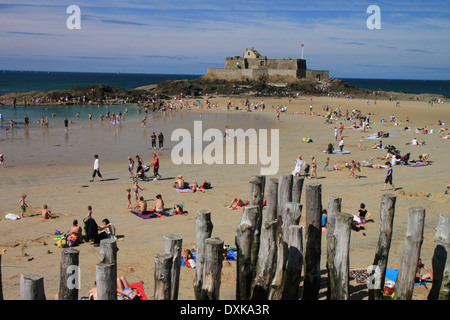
(172, 243)
(284, 191)
(334, 206)
(247, 251)
(163, 276)
(271, 200)
(340, 286)
(106, 279)
(257, 188)
(1, 285)
(440, 289)
(379, 265)
(69, 279)
(204, 229)
(32, 287)
(265, 267)
(291, 215)
(212, 271)
(297, 188)
(294, 264)
(276, 286)
(404, 286)
(108, 251)
(313, 238)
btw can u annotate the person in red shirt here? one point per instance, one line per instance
(341, 128)
(155, 166)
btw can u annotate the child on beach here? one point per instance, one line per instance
(45, 213)
(2, 160)
(136, 190)
(388, 177)
(89, 214)
(327, 163)
(23, 205)
(352, 169)
(128, 197)
(363, 214)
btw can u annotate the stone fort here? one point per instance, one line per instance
(252, 65)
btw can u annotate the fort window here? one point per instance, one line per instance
(262, 63)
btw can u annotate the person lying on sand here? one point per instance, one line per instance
(238, 204)
(126, 292)
(376, 134)
(195, 187)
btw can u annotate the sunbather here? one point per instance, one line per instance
(126, 292)
(238, 204)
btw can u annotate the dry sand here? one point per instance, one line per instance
(54, 168)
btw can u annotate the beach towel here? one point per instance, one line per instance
(187, 190)
(391, 274)
(150, 214)
(337, 151)
(417, 164)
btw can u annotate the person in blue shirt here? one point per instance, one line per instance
(388, 178)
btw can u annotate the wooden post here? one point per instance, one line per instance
(297, 188)
(265, 267)
(272, 200)
(313, 241)
(440, 289)
(204, 229)
(379, 265)
(247, 251)
(257, 186)
(108, 251)
(342, 232)
(212, 271)
(334, 206)
(294, 264)
(291, 215)
(276, 286)
(173, 243)
(1, 285)
(284, 191)
(404, 286)
(163, 276)
(69, 279)
(106, 279)
(32, 287)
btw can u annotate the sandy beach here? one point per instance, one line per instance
(54, 168)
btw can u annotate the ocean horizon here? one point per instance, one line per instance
(25, 81)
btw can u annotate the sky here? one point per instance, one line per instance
(187, 37)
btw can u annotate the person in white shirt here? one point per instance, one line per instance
(96, 169)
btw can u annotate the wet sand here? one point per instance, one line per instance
(54, 168)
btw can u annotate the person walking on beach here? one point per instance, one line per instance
(130, 166)
(388, 177)
(160, 140)
(66, 124)
(153, 138)
(313, 164)
(155, 165)
(96, 169)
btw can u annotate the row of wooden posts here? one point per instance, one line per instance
(272, 259)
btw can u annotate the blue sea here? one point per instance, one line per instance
(22, 81)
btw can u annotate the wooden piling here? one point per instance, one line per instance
(334, 206)
(404, 285)
(313, 203)
(284, 191)
(212, 271)
(379, 265)
(69, 275)
(340, 285)
(294, 264)
(297, 188)
(172, 244)
(440, 289)
(276, 286)
(106, 279)
(204, 229)
(265, 267)
(271, 200)
(32, 287)
(163, 276)
(108, 251)
(247, 254)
